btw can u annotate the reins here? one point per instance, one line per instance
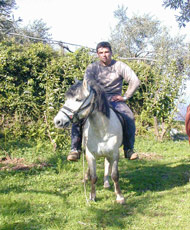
(87, 201)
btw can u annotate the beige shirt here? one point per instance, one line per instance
(111, 77)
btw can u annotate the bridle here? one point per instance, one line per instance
(74, 117)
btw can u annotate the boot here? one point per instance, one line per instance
(130, 154)
(74, 155)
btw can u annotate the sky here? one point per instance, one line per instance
(87, 22)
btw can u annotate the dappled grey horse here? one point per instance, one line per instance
(102, 131)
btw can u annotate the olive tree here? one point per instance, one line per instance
(183, 8)
(6, 21)
(142, 37)
(34, 32)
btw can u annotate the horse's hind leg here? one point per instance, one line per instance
(115, 177)
(107, 170)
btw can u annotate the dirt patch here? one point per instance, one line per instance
(150, 156)
(6, 163)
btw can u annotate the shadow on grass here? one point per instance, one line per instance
(14, 144)
(21, 215)
(16, 189)
(30, 225)
(116, 216)
(141, 175)
(180, 137)
(113, 216)
(135, 182)
(157, 177)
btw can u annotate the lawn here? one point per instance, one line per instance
(40, 190)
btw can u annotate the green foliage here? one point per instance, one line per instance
(146, 74)
(33, 79)
(157, 95)
(24, 72)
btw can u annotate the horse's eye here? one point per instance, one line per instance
(78, 99)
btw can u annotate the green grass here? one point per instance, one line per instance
(156, 188)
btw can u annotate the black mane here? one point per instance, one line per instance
(74, 90)
(101, 101)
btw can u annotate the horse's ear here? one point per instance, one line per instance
(86, 87)
(76, 80)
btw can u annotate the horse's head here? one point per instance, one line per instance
(79, 99)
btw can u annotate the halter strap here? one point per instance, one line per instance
(75, 114)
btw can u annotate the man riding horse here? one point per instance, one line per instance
(110, 75)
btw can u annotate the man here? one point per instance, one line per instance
(110, 75)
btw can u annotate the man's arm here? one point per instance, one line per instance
(131, 78)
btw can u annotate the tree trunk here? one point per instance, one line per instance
(156, 127)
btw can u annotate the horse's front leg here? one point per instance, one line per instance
(115, 177)
(92, 170)
(107, 170)
(87, 175)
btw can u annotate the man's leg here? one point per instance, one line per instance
(76, 142)
(129, 129)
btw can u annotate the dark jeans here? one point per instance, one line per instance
(129, 129)
(76, 136)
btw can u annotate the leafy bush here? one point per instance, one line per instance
(155, 101)
(33, 79)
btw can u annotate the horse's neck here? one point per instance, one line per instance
(99, 122)
(100, 129)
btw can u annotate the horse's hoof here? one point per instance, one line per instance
(84, 181)
(106, 185)
(92, 200)
(121, 201)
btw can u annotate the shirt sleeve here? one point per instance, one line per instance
(89, 73)
(131, 78)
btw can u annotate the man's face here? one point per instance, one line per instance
(104, 55)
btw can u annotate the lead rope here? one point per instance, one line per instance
(87, 201)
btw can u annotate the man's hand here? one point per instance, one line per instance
(118, 98)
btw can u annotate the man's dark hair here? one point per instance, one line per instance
(104, 45)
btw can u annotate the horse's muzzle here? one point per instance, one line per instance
(60, 124)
